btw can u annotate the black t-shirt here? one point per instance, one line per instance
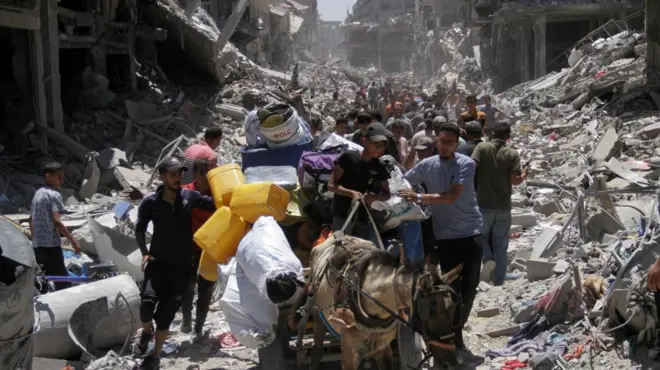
(361, 176)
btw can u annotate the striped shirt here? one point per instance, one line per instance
(194, 153)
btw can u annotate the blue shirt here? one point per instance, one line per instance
(172, 240)
(461, 219)
(46, 201)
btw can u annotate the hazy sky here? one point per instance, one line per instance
(334, 10)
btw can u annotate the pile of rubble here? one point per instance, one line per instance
(584, 225)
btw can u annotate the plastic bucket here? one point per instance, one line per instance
(223, 180)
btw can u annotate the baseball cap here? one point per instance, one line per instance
(376, 132)
(424, 143)
(438, 120)
(473, 127)
(169, 165)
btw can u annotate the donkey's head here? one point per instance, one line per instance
(437, 311)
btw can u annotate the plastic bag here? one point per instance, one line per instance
(335, 140)
(251, 317)
(283, 176)
(399, 210)
(253, 136)
(265, 253)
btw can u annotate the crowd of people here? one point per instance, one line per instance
(458, 162)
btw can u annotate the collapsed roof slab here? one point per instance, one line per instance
(566, 9)
(194, 34)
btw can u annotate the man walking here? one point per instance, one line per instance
(449, 179)
(46, 226)
(498, 169)
(168, 262)
(205, 149)
(204, 287)
(473, 133)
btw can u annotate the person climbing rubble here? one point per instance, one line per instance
(167, 263)
(205, 149)
(204, 287)
(498, 169)
(457, 222)
(46, 226)
(360, 176)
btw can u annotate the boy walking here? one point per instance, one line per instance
(46, 226)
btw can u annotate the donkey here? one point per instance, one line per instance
(344, 270)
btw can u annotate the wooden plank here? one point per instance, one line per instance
(21, 19)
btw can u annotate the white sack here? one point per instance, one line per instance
(336, 140)
(265, 252)
(253, 136)
(399, 209)
(251, 317)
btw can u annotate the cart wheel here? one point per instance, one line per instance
(410, 348)
(272, 357)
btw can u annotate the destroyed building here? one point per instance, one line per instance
(522, 40)
(330, 39)
(381, 33)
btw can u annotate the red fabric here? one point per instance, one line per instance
(199, 216)
(513, 364)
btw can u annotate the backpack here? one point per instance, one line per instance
(315, 168)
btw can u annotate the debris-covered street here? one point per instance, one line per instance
(102, 104)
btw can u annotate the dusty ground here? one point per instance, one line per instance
(207, 354)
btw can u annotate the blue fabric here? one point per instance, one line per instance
(461, 219)
(495, 241)
(413, 245)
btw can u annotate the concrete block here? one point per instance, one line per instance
(515, 229)
(600, 224)
(607, 146)
(40, 363)
(524, 219)
(518, 200)
(236, 112)
(539, 269)
(502, 332)
(547, 244)
(561, 267)
(547, 207)
(524, 313)
(484, 286)
(488, 312)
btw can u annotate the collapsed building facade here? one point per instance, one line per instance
(522, 40)
(380, 33)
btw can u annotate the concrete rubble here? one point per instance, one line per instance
(584, 226)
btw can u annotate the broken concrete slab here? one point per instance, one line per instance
(235, 112)
(110, 158)
(504, 332)
(488, 312)
(131, 179)
(600, 224)
(607, 146)
(522, 218)
(547, 207)
(539, 269)
(546, 244)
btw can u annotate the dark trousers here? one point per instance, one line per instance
(51, 261)
(427, 236)
(204, 295)
(451, 253)
(163, 289)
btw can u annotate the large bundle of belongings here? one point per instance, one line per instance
(273, 210)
